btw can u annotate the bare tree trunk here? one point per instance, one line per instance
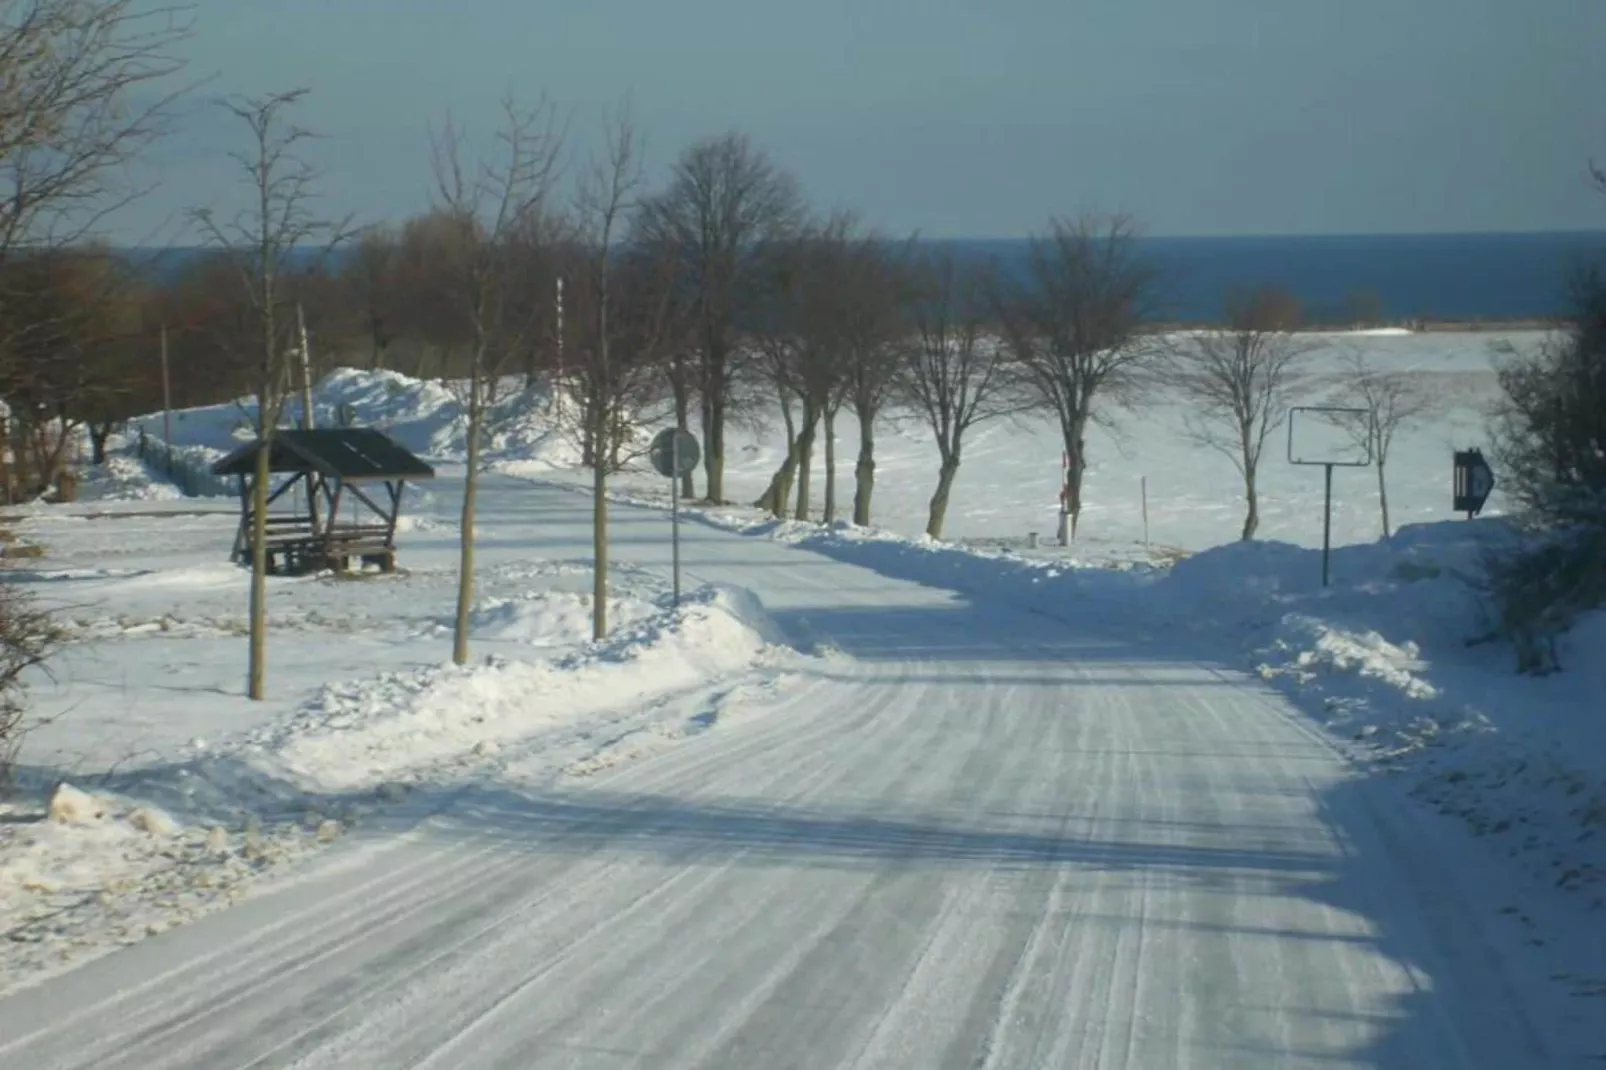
(805, 462)
(682, 394)
(599, 552)
(1252, 501)
(1075, 436)
(778, 495)
(864, 471)
(829, 514)
(1383, 496)
(257, 643)
(589, 444)
(708, 438)
(939, 500)
(714, 450)
(98, 434)
(471, 486)
(787, 419)
(788, 472)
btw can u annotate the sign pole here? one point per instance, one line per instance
(1143, 490)
(306, 369)
(674, 515)
(671, 449)
(167, 408)
(1327, 523)
(1334, 416)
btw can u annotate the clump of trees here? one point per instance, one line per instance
(1551, 447)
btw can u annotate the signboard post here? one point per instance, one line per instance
(674, 454)
(1336, 418)
(1473, 482)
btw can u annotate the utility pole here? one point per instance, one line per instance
(558, 386)
(306, 369)
(167, 407)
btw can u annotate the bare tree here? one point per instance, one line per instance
(85, 87)
(954, 375)
(725, 199)
(798, 323)
(1239, 382)
(71, 317)
(874, 322)
(260, 242)
(625, 327)
(1074, 328)
(370, 279)
(776, 335)
(28, 637)
(1388, 401)
(481, 206)
(1550, 422)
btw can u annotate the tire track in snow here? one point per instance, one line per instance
(265, 946)
(632, 968)
(397, 1027)
(458, 1032)
(882, 937)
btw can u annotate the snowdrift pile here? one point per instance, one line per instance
(427, 417)
(368, 732)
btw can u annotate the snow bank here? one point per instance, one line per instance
(365, 733)
(426, 416)
(90, 871)
(1382, 659)
(124, 479)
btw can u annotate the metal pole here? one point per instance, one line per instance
(1327, 523)
(167, 405)
(1143, 485)
(306, 369)
(559, 386)
(674, 511)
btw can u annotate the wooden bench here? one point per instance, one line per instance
(297, 554)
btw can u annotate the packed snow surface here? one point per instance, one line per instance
(862, 800)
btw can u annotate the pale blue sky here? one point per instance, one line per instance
(973, 119)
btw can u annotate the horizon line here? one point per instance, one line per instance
(1251, 236)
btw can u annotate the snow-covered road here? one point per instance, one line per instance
(972, 837)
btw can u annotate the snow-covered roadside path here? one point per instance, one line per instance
(970, 837)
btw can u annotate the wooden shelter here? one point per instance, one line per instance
(328, 470)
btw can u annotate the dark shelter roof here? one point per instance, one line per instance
(352, 454)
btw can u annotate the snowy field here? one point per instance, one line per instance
(195, 798)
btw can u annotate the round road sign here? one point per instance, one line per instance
(674, 452)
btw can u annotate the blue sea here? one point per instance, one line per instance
(1400, 277)
(1405, 277)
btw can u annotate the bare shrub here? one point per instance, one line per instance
(28, 636)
